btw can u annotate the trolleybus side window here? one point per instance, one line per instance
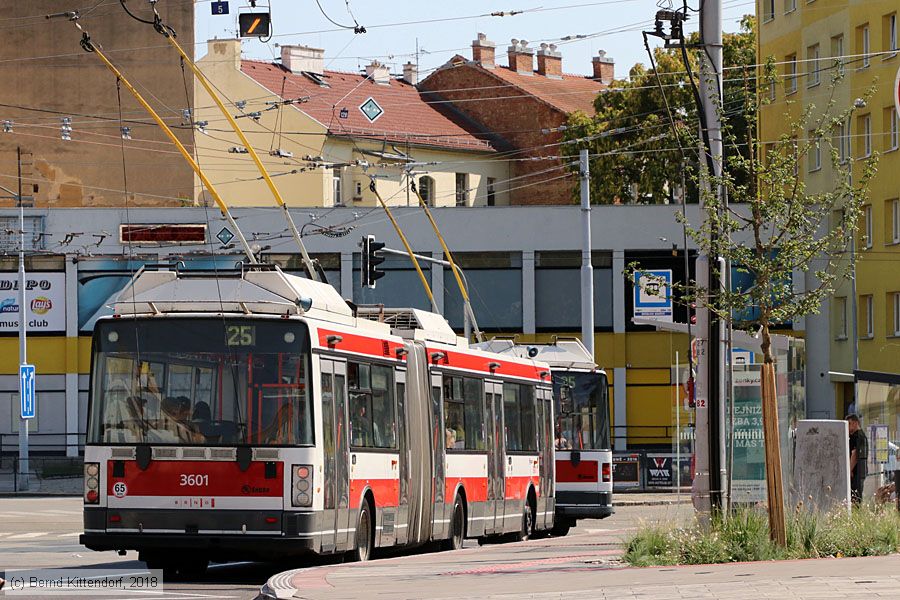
(372, 423)
(519, 417)
(463, 414)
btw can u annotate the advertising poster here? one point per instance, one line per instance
(626, 471)
(749, 468)
(659, 471)
(45, 296)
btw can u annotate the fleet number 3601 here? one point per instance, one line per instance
(194, 480)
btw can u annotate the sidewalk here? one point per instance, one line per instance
(581, 567)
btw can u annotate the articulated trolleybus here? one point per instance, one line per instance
(258, 415)
(584, 482)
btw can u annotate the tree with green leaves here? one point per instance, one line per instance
(774, 226)
(631, 141)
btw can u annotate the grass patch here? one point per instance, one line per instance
(866, 531)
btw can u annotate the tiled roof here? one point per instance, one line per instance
(571, 93)
(407, 117)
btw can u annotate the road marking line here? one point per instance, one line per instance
(25, 536)
(73, 534)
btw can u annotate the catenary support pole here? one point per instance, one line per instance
(711, 95)
(587, 269)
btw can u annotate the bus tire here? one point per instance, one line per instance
(365, 540)
(457, 526)
(561, 526)
(527, 523)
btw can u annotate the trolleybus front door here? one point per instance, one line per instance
(336, 484)
(493, 412)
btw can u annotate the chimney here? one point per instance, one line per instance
(303, 59)
(378, 73)
(483, 51)
(549, 61)
(225, 52)
(604, 68)
(521, 57)
(411, 73)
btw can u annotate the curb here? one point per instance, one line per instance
(650, 502)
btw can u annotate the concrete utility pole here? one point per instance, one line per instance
(716, 353)
(587, 269)
(23, 318)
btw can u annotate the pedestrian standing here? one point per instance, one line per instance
(859, 453)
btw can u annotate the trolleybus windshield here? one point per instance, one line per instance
(201, 382)
(582, 410)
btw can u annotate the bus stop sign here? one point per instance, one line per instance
(26, 391)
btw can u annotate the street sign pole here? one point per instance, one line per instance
(23, 354)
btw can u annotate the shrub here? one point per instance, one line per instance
(865, 531)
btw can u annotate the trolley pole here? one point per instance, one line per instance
(587, 269)
(23, 317)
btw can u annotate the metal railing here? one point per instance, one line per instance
(47, 443)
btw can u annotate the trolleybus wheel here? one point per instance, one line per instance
(457, 527)
(527, 524)
(561, 526)
(364, 539)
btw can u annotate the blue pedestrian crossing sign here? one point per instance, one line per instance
(26, 391)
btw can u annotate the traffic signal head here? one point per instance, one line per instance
(255, 24)
(371, 258)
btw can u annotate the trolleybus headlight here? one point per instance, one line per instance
(301, 482)
(91, 483)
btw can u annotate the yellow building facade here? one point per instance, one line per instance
(310, 129)
(811, 40)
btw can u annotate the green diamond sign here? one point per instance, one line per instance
(371, 110)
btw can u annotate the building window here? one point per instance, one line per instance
(462, 189)
(841, 141)
(815, 152)
(840, 314)
(867, 305)
(768, 10)
(812, 65)
(837, 52)
(895, 221)
(790, 74)
(790, 6)
(795, 153)
(556, 275)
(495, 280)
(426, 189)
(895, 304)
(336, 187)
(893, 129)
(889, 35)
(357, 191)
(865, 133)
(864, 44)
(867, 224)
(491, 191)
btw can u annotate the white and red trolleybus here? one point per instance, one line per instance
(258, 415)
(581, 404)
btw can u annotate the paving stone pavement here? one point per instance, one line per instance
(582, 566)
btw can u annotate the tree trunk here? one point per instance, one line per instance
(772, 439)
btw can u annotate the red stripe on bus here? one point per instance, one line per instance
(361, 344)
(473, 362)
(584, 472)
(475, 488)
(196, 478)
(385, 491)
(517, 487)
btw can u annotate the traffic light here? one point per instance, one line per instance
(255, 24)
(371, 258)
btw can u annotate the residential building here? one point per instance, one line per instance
(857, 38)
(52, 89)
(523, 107)
(325, 134)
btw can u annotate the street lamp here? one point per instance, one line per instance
(859, 103)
